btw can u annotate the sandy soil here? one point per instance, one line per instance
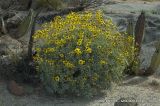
(146, 91)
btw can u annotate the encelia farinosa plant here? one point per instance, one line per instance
(81, 54)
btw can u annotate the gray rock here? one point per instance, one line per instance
(121, 12)
(9, 46)
(14, 22)
(152, 27)
(14, 4)
(10, 51)
(4, 4)
(129, 101)
(146, 54)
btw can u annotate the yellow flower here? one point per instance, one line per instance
(60, 42)
(79, 42)
(68, 37)
(38, 49)
(81, 35)
(88, 43)
(81, 62)
(61, 55)
(103, 62)
(51, 49)
(50, 62)
(78, 51)
(38, 58)
(114, 44)
(88, 50)
(95, 77)
(99, 47)
(99, 17)
(68, 64)
(56, 78)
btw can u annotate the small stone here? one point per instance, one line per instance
(129, 101)
(15, 89)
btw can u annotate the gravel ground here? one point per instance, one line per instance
(144, 89)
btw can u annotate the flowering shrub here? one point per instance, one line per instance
(81, 54)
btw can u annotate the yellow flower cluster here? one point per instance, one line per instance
(60, 42)
(81, 42)
(49, 50)
(68, 64)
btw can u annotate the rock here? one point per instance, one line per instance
(14, 4)
(10, 53)
(24, 3)
(15, 89)
(9, 46)
(129, 101)
(122, 11)
(4, 4)
(13, 23)
(146, 54)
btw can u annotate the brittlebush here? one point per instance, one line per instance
(81, 54)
